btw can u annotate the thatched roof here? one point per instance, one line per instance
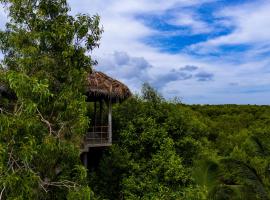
(103, 86)
(100, 86)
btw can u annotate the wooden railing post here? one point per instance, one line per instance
(110, 122)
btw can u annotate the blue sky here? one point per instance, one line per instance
(204, 51)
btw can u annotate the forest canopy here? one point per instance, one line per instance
(169, 150)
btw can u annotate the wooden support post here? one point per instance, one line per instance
(110, 121)
(85, 159)
(100, 112)
(95, 115)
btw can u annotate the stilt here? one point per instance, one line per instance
(85, 159)
(95, 115)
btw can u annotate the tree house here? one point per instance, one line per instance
(102, 92)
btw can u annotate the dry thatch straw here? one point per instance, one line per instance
(102, 86)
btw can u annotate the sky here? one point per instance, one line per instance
(201, 51)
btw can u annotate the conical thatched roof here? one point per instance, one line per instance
(103, 86)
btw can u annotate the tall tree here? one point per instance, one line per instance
(45, 65)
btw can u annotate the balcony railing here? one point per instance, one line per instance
(98, 136)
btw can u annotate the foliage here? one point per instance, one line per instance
(45, 65)
(168, 150)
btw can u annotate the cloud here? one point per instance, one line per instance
(250, 25)
(124, 66)
(204, 76)
(171, 76)
(233, 84)
(251, 21)
(121, 58)
(192, 21)
(130, 69)
(189, 68)
(136, 70)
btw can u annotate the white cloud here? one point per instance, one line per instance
(251, 24)
(192, 21)
(130, 69)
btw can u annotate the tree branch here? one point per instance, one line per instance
(46, 122)
(2, 191)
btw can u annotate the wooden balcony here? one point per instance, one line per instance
(98, 136)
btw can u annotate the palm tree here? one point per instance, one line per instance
(229, 179)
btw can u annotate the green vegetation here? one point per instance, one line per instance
(167, 150)
(45, 65)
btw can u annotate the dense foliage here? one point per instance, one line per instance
(168, 150)
(45, 65)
